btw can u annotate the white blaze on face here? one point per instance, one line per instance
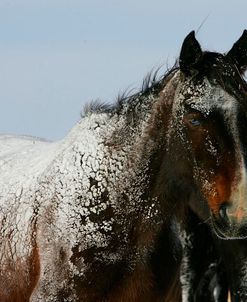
(237, 211)
(205, 98)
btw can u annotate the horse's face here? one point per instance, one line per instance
(210, 122)
(212, 127)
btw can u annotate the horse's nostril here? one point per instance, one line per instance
(223, 214)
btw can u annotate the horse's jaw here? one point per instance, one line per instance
(228, 232)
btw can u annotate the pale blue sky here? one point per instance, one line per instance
(55, 55)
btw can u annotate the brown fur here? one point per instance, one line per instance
(18, 283)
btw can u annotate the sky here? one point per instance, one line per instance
(57, 55)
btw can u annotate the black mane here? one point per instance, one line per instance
(151, 84)
(218, 68)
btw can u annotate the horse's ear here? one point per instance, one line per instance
(190, 54)
(238, 53)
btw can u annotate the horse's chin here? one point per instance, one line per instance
(229, 232)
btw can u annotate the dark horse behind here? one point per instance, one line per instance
(94, 217)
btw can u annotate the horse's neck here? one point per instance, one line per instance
(103, 187)
(129, 145)
(144, 160)
(112, 161)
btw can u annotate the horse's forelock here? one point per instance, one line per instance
(220, 70)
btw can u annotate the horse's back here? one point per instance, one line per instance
(9, 142)
(22, 158)
(17, 146)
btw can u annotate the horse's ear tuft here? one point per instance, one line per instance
(190, 54)
(238, 53)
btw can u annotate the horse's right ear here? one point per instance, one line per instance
(238, 53)
(190, 54)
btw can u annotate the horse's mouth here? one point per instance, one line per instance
(228, 232)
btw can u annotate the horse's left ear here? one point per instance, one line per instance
(238, 53)
(190, 54)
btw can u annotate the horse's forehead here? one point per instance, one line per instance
(206, 97)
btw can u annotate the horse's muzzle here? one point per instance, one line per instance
(230, 223)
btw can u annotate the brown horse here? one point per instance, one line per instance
(229, 271)
(93, 217)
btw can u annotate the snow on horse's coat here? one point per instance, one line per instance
(57, 200)
(93, 217)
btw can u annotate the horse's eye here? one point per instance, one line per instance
(195, 122)
(194, 119)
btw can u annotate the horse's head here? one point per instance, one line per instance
(210, 122)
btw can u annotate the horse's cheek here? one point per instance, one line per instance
(219, 190)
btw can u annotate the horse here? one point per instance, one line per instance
(96, 215)
(230, 271)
